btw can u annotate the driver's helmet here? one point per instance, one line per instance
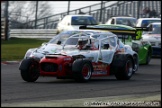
(82, 42)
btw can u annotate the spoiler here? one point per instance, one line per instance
(136, 32)
(115, 31)
(139, 31)
(142, 28)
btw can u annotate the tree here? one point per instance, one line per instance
(24, 11)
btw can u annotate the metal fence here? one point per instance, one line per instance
(100, 13)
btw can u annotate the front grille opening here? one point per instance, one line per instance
(49, 67)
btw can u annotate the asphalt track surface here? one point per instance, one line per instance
(143, 89)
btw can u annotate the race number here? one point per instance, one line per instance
(139, 34)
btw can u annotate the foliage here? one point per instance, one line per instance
(21, 12)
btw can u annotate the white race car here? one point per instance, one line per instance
(154, 37)
(144, 22)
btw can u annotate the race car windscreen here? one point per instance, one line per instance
(62, 37)
(83, 20)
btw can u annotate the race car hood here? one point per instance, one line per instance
(151, 37)
(69, 50)
(73, 52)
(49, 48)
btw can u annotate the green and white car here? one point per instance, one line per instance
(130, 36)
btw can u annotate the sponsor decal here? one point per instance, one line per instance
(121, 51)
(99, 73)
(67, 59)
(102, 67)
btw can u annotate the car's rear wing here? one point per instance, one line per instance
(139, 31)
(115, 31)
(141, 28)
(136, 33)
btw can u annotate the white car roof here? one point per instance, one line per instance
(156, 23)
(124, 17)
(78, 15)
(149, 19)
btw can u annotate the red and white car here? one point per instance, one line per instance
(81, 57)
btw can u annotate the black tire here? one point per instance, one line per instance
(148, 58)
(31, 73)
(136, 64)
(82, 70)
(125, 72)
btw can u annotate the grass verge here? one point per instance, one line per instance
(15, 48)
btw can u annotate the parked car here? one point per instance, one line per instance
(144, 22)
(125, 34)
(154, 37)
(81, 57)
(73, 22)
(123, 20)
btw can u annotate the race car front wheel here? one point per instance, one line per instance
(82, 70)
(126, 72)
(31, 72)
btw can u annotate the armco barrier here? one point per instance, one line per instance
(3, 23)
(32, 33)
